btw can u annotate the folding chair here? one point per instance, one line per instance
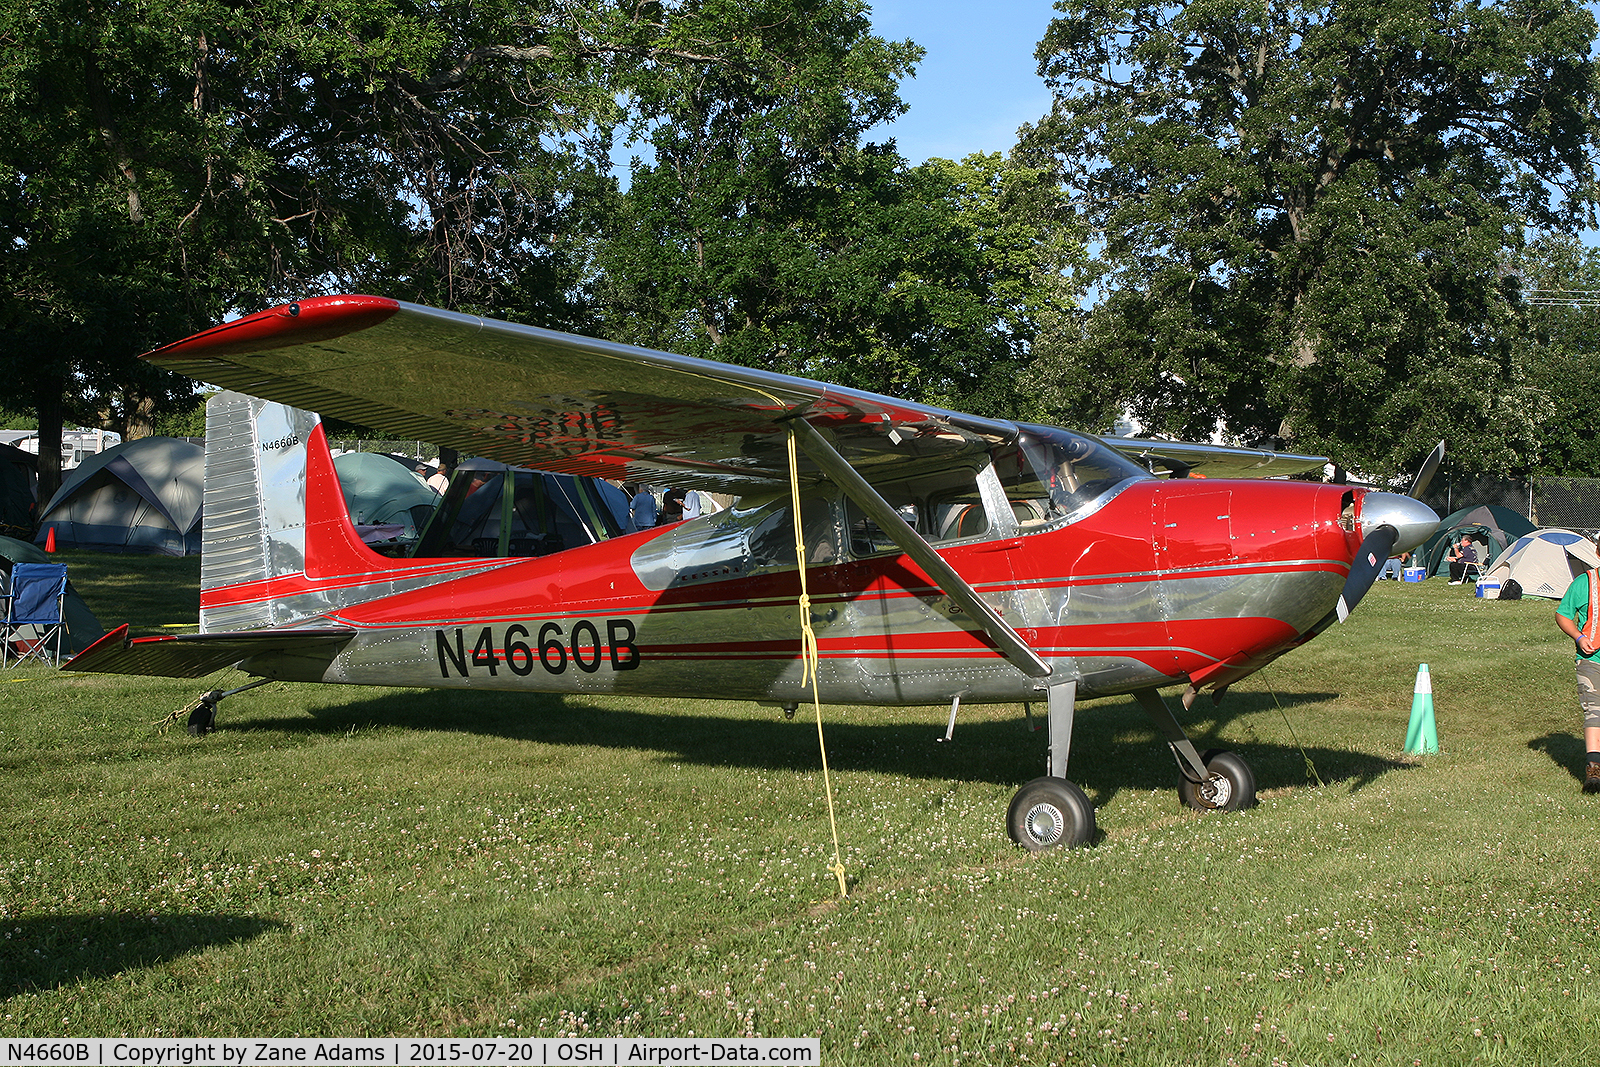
(36, 604)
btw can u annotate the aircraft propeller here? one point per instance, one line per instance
(1430, 467)
(1391, 521)
(1370, 558)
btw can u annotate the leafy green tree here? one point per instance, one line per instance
(760, 228)
(755, 181)
(163, 168)
(1559, 352)
(1304, 210)
(1003, 262)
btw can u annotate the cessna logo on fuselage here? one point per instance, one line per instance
(281, 444)
(519, 650)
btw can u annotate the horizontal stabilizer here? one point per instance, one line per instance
(196, 655)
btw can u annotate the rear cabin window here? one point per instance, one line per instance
(499, 513)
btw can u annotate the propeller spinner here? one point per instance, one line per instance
(1390, 523)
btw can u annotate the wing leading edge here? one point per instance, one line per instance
(1181, 459)
(569, 404)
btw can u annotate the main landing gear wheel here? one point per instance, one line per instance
(1050, 813)
(1229, 786)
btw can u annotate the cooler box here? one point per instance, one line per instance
(1489, 588)
(1414, 574)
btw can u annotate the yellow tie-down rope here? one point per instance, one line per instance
(808, 650)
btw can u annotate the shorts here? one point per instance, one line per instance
(1589, 692)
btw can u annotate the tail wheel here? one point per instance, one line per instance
(1050, 813)
(1230, 785)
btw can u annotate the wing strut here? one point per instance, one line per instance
(911, 543)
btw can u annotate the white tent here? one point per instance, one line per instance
(1544, 562)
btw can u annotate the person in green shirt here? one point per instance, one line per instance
(1572, 615)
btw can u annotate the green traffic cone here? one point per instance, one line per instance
(1422, 735)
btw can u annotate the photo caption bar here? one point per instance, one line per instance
(406, 1052)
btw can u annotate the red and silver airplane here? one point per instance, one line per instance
(948, 557)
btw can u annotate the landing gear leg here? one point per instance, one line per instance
(1050, 812)
(1217, 781)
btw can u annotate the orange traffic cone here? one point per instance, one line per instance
(50, 539)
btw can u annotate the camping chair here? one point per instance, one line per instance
(1474, 571)
(36, 604)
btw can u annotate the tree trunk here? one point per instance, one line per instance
(49, 406)
(139, 422)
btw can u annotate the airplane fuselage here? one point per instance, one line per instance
(1158, 582)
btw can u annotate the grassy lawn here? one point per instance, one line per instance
(344, 861)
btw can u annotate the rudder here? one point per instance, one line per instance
(255, 510)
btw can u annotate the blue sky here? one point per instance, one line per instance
(977, 83)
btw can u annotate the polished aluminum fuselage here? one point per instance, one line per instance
(1156, 582)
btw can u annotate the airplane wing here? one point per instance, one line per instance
(1181, 459)
(560, 402)
(196, 655)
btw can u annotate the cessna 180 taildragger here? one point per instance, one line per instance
(948, 557)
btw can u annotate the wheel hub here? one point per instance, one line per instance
(1045, 823)
(1216, 791)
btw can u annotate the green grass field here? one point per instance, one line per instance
(350, 862)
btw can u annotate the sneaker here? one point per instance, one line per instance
(1455, 583)
(1591, 780)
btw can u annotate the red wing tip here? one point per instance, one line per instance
(318, 318)
(115, 639)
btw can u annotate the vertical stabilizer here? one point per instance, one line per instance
(255, 510)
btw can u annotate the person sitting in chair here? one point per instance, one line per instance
(1462, 557)
(1396, 567)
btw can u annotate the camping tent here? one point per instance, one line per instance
(1545, 562)
(83, 629)
(1490, 527)
(142, 496)
(19, 487)
(385, 499)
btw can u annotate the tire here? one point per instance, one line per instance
(1232, 784)
(1050, 813)
(203, 719)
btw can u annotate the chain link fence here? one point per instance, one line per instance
(1571, 503)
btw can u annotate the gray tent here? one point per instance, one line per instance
(83, 629)
(19, 488)
(142, 496)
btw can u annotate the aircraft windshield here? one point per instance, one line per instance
(1051, 473)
